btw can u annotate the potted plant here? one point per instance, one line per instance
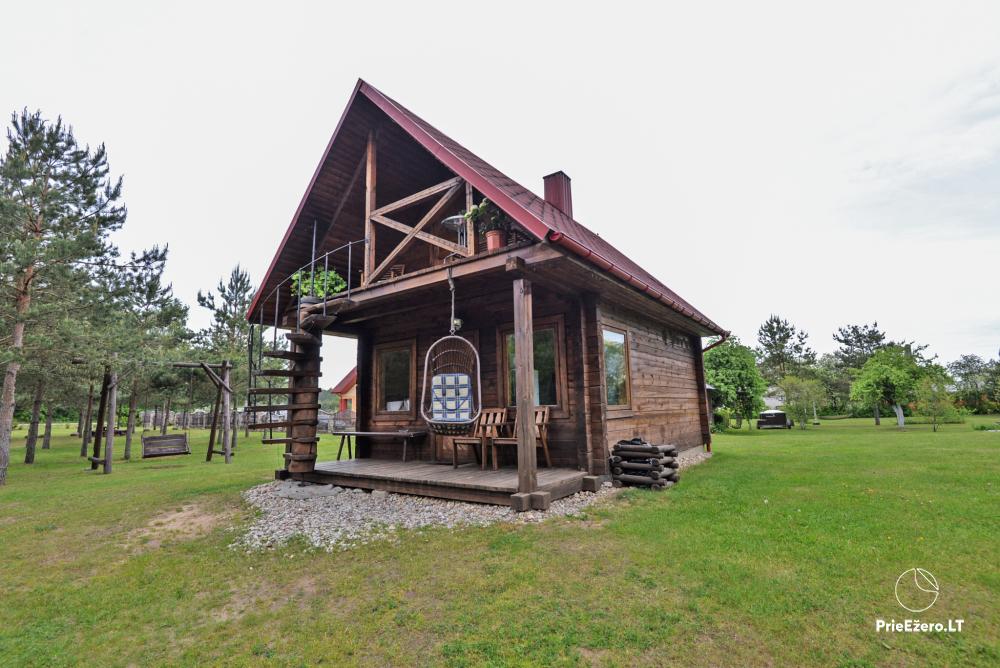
(311, 287)
(489, 218)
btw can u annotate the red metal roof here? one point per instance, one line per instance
(532, 212)
(346, 383)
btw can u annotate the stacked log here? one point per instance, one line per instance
(637, 463)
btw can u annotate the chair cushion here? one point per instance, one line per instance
(451, 397)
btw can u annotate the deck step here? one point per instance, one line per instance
(286, 441)
(288, 373)
(284, 390)
(281, 425)
(285, 354)
(282, 407)
(303, 338)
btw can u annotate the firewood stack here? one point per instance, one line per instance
(636, 462)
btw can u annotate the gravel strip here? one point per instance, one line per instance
(339, 518)
(335, 518)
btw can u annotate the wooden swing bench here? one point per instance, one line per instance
(165, 445)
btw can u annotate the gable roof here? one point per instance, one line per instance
(346, 383)
(542, 220)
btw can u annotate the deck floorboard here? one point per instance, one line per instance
(467, 482)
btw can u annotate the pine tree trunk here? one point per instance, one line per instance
(22, 301)
(109, 442)
(102, 408)
(900, 418)
(133, 400)
(79, 422)
(166, 416)
(36, 412)
(85, 432)
(878, 420)
(47, 438)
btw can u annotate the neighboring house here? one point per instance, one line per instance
(616, 353)
(346, 389)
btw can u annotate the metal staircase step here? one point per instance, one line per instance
(288, 373)
(303, 338)
(286, 441)
(285, 354)
(281, 425)
(284, 390)
(282, 407)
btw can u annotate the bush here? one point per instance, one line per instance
(720, 420)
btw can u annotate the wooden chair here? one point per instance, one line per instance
(541, 437)
(489, 426)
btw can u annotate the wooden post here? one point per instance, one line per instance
(109, 440)
(524, 361)
(215, 421)
(302, 450)
(364, 402)
(370, 180)
(470, 228)
(226, 405)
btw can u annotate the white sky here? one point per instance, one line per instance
(833, 164)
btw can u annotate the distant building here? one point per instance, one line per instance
(347, 389)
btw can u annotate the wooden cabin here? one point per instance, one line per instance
(611, 351)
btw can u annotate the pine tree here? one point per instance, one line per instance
(783, 349)
(58, 204)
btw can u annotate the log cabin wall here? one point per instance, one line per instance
(485, 317)
(666, 399)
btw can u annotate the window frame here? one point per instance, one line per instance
(409, 345)
(628, 367)
(556, 322)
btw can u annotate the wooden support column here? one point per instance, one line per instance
(300, 453)
(703, 411)
(593, 379)
(370, 179)
(470, 228)
(524, 378)
(364, 401)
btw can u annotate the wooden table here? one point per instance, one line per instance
(406, 435)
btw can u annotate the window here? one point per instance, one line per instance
(348, 404)
(549, 353)
(616, 367)
(395, 378)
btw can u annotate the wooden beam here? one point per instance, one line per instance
(431, 215)
(524, 376)
(226, 415)
(370, 179)
(347, 193)
(423, 236)
(420, 196)
(470, 228)
(212, 376)
(431, 276)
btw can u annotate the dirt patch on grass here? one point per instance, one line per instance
(265, 595)
(188, 522)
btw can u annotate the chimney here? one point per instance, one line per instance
(558, 192)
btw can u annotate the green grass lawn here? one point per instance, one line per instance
(783, 549)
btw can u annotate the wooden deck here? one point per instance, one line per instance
(466, 483)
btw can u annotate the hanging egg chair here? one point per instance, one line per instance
(451, 398)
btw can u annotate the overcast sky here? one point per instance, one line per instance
(835, 163)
